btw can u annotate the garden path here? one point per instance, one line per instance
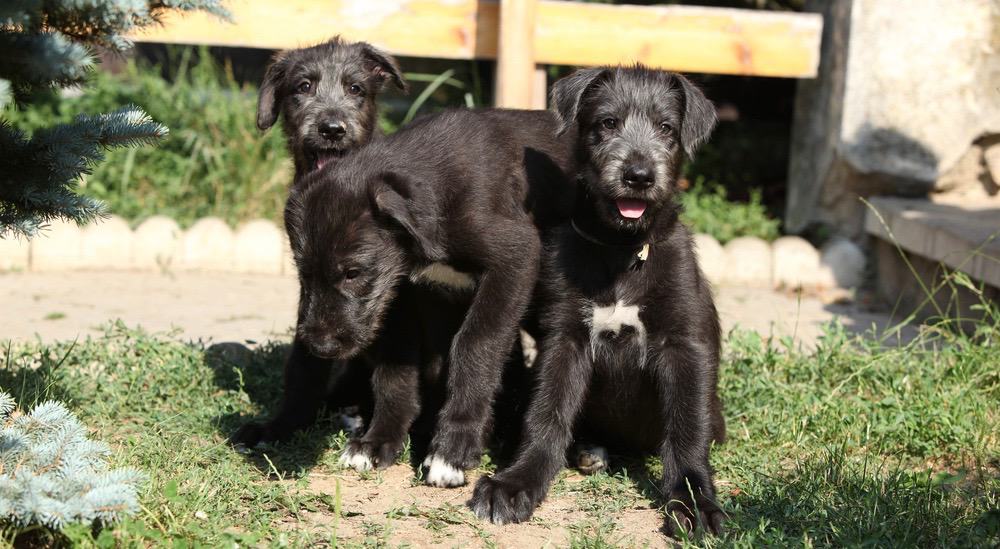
(236, 307)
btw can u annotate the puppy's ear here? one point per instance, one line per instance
(567, 93)
(699, 117)
(270, 88)
(383, 66)
(391, 197)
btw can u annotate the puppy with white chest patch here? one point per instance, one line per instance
(630, 337)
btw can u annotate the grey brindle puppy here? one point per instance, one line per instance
(326, 96)
(629, 347)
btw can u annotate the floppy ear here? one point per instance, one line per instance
(567, 92)
(383, 66)
(699, 117)
(391, 197)
(267, 98)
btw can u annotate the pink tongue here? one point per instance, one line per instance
(631, 209)
(321, 161)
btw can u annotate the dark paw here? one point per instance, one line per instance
(253, 434)
(685, 515)
(460, 449)
(502, 502)
(364, 455)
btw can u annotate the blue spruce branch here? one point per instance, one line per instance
(52, 475)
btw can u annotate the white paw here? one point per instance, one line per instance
(358, 461)
(441, 474)
(592, 459)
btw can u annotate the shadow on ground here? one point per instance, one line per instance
(258, 373)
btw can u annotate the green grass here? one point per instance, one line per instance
(854, 444)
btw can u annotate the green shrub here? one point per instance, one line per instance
(215, 161)
(706, 210)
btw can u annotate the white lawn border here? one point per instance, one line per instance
(260, 247)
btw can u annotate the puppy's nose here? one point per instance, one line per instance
(638, 177)
(332, 131)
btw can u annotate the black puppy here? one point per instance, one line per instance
(629, 352)
(325, 95)
(446, 204)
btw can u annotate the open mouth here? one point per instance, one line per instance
(322, 157)
(629, 208)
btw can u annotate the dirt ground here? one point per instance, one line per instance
(221, 307)
(390, 506)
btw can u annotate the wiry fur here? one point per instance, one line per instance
(334, 83)
(330, 68)
(386, 242)
(629, 351)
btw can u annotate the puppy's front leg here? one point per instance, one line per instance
(307, 380)
(395, 389)
(481, 346)
(512, 494)
(686, 389)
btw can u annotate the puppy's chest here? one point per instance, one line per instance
(618, 334)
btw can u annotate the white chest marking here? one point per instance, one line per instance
(617, 329)
(613, 318)
(444, 275)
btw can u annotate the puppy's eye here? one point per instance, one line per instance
(665, 127)
(304, 87)
(351, 274)
(356, 89)
(609, 123)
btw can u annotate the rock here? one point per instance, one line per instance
(15, 252)
(156, 243)
(991, 158)
(748, 262)
(892, 109)
(259, 248)
(795, 263)
(842, 264)
(711, 257)
(57, 248)
(207, 246)
(107, 244)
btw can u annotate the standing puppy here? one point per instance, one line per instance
(629, 353)
(448, 205)
(325, 95)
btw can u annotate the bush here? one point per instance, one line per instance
(215, 161)
(706, 210)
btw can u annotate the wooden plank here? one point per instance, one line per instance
(515, 72)
(683, 38)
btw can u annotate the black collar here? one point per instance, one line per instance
(641, 250)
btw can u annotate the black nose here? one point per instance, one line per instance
(638, 177)
(332, 131)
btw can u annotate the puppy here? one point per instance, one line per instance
(326, 97)
(629, 351)
(418, 254)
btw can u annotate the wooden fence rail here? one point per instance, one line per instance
(682, 38)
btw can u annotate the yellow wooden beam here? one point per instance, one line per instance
(683, 38)
(515, 72)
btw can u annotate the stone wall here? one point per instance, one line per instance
(905, 88)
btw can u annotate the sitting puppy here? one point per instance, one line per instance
(445, 205)
(325, 95)
(629, 348)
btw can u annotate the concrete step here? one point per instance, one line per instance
(962, 235)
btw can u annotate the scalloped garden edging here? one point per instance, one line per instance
(260, 247)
